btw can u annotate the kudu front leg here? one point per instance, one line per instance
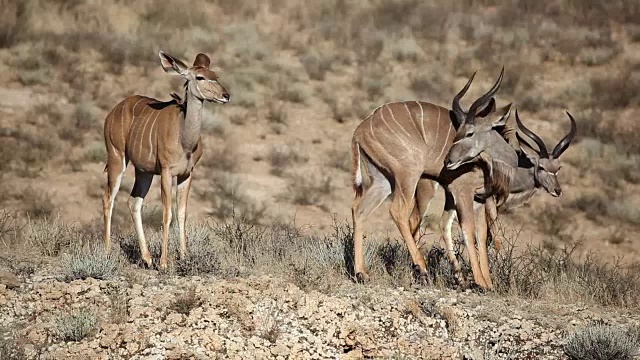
(464, 208)
(184, 185)
(481, 240)
(446, 225)
(491, 210)
(166, 214)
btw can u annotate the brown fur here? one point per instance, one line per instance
(159, 138)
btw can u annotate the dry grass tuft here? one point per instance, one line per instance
(76, 325)
(10, 347)
(183, 304)
(603, 342)
(543, 272)
(91, 262)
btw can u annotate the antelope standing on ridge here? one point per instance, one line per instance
(403, 146)
(159, 138)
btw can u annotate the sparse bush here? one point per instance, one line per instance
(615, 91)
(37, 204)
(204, 255)
(48, 236)
(564, 275)
(295, 93)
(306, 190)
(85, 116)
(282, 156)
(10, 226)
(10, 349)
(602, 342)
(92, 262)
(223, 157)
(316, 66)
(76, 325)
(96, 153)
(339, 159)
(277, 114)
(183, 304)
(406, 49)
(12, 19)
(552, 220)
(228, 197)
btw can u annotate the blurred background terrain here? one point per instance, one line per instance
(270, 247)
(302, 76)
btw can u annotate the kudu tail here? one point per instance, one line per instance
(357, 172)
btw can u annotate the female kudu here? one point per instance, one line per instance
(159, 138)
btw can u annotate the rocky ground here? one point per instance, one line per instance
(146, 315)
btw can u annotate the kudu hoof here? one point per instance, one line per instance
(422, 277)
(362, 278)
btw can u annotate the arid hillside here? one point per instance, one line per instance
(301, 79)
(302, 75)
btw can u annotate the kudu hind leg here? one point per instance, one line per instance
(116, 166)
(402, 205)
(363, 206)
(138, 193)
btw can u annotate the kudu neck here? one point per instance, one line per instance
(191, 126)
(524, 180)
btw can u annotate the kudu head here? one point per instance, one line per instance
(202, 82)
(545, 165)
(475, 132)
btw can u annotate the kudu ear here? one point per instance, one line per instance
(491, 107)
(202, 60)
(500, 116)
(528, 151)
(172, 65)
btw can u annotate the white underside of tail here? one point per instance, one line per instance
(357, 180)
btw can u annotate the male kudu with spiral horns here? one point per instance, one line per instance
(403, 146)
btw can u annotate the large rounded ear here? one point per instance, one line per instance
(491, 107)
(172, 65)
(202, 60)
(500, 116)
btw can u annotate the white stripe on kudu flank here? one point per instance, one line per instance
(413, 121)
(133, 116)
(139, 134)
(144, 128)
(435, 143)
(445, 142)
(386, 123)
(424, 134)
(396, 121)
(151, 152)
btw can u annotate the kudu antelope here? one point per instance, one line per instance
(403, 146)
(532, 172)
(159, 138)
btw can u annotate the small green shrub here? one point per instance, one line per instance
(76, 325)
(92, 262)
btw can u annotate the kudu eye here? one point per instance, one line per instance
(200, 78)
(469, 134)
